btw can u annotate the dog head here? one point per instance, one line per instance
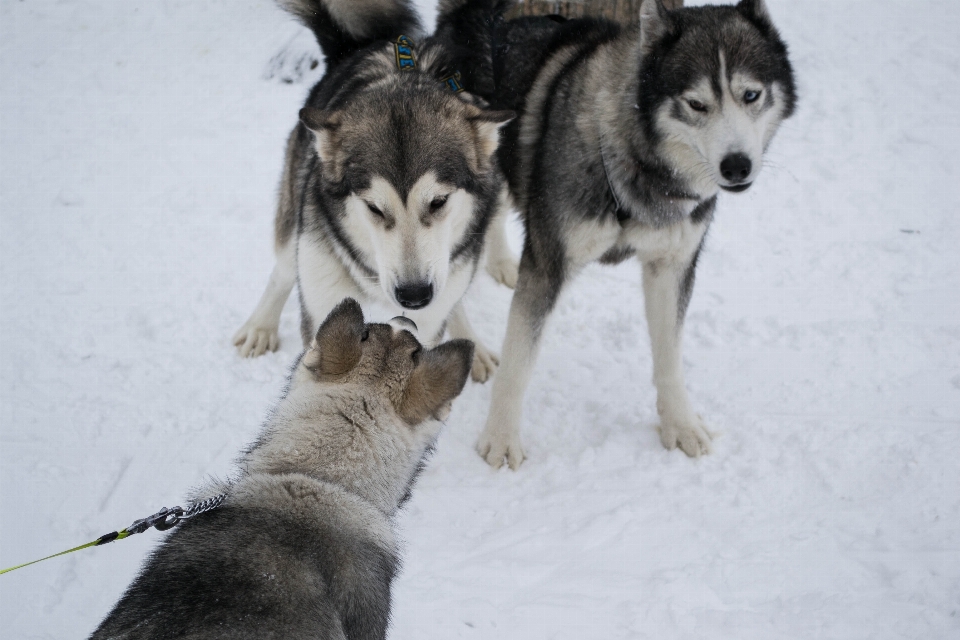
(363, 406)
(388, 360)
(410, 163)
(717, 84)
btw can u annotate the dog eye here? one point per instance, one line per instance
(366, 334)
(375, 210)
(696, 105)
(751, 96)
(437, 203)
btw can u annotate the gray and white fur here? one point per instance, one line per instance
(623, 140)
(390, 184)
(304, 545)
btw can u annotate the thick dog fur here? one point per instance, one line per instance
(390, 184)
(304, 545)
(623, 139)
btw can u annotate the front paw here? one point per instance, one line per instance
(495, 446)
(253, 341)
(485, 363)
(690, 434)
(504, 270)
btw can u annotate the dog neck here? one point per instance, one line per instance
(337, 438)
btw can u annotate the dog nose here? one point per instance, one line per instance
(414, 296)
(735, 167)
(402, 322)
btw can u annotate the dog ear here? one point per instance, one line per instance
(324, 125)
(487, 125)
(336, 349)
(755, 10)
(437, 379)
(653, 23)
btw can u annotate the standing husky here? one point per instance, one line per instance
(390, 182)
(623, 139)
(303, 546)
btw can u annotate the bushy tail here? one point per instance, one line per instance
(344, 26)
(468, 27)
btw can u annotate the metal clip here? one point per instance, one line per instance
(162, 520)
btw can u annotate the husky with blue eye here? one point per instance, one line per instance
(623, 141)
(304, 543)
(391, 185)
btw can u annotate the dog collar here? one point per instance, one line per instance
(404, 51)
(407, 60)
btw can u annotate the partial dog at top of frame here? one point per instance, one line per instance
(623, 140)
(390, 185)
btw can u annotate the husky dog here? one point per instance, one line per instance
(303, 546)
(624, 138)
(390, 182)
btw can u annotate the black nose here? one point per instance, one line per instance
(735, 167)
(414, 296)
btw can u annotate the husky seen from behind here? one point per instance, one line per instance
(303, 546)
(623, 140)
(390, 183)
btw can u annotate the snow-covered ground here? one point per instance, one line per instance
(140, 147)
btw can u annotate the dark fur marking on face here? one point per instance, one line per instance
(679, 112)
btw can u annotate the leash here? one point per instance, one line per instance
(161, 521)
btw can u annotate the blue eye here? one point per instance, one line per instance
(751, 96)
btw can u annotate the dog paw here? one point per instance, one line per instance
(485, 363)
(253, 341)
(504, 270)
(495, 447)
(691, 435)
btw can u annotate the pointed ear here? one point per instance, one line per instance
(438, 379)
(324, 125)
(754, 10)
(653, 23)
(336, 348)
(487, 125)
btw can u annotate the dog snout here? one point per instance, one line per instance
(415, 295)
(735, 168)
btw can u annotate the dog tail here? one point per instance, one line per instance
(469, 27)
(344, 26)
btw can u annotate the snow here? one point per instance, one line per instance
(140, 148)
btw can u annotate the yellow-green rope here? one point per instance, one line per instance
(110, 537)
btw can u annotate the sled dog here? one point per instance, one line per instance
(623, 140)
(303, 546)
(390, 183)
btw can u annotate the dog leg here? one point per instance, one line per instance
(261, 332)
(666, 289)
(532, 303)
(485, 362)
(500, 261)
